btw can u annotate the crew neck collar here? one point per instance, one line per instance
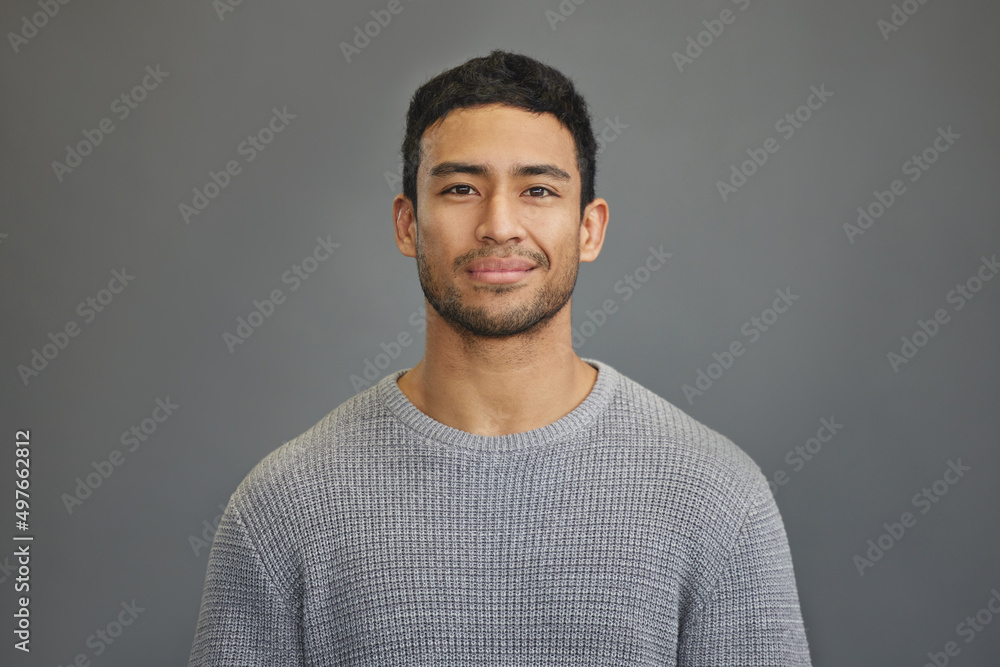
(393, 398)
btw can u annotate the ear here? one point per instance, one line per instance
(404, 219)
(592, 227)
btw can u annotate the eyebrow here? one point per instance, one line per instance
(517, 171)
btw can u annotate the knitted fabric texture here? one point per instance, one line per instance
(624, 533)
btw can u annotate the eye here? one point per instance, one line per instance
(538, 190)
(459, 190)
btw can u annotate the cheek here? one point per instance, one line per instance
(569, 249)
(433, 252)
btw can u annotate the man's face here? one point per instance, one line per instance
(497, 186)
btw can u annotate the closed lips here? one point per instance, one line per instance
(500, 265)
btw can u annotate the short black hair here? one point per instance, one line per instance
(505, 78)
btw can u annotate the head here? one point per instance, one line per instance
(503, 78)
(498, 164)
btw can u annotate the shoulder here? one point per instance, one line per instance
(281, 484)
(706, 488)
(703, 458)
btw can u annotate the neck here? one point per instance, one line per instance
(498, 386)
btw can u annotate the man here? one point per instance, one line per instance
(503, 502)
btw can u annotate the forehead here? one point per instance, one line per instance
(499, 135)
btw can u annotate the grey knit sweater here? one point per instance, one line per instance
(624, 533)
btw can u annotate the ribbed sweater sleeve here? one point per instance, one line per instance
(751, 615)
(246, 617)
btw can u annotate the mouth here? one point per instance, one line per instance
(499, 276)
(500, 270)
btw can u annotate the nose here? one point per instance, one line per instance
(499, 219)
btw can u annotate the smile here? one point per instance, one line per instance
(508, 276)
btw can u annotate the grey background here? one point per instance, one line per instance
(325, 176)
